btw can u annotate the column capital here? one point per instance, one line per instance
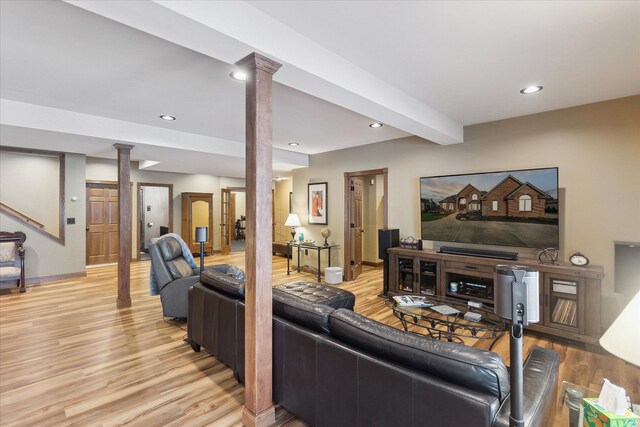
(127, 147)
(256, 61)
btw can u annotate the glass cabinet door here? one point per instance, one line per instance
(405, 274)
(565, 298)
(428, 277)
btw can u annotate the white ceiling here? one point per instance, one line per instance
(469, 59)
(79, 76)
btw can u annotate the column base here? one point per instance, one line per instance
(123, 303)
(263, 419)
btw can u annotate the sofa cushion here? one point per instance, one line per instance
(216, 278)
(10, 272)
(319, 293)
(476, 369)
(7, 252)
(289, 306)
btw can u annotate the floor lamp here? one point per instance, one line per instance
(202, 236)
(516, 300)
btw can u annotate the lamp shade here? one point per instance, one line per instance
(292, 221)
(623, 336)
(202, 234)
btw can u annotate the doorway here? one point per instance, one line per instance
(365, 209)
(102, 223)
(233, 220)
(155, 215)
(238, 219)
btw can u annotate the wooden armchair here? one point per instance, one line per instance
(12, 257)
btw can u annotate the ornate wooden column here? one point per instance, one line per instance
(124, 225)
(258, 407)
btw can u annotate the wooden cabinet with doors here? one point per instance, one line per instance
(569, 295)
(570, 304)
(414, 274)
(197, 211)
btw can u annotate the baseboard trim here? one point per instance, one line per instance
(56, 277)
(373, 264)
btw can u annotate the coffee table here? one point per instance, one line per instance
(450, 327)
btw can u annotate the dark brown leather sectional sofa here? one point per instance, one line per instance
(334, 367)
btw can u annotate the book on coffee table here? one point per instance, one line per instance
(445, 309)
(412, 301)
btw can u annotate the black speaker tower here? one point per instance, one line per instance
(387, 238)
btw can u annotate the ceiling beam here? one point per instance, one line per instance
(103, 129)
(231, 30)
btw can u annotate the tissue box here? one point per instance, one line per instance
(595, 416)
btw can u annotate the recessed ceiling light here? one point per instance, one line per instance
(531, 89)
(375, 125)
(293, 144)
(167, 117)
(239, 75)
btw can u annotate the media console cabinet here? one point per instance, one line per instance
(569, 295)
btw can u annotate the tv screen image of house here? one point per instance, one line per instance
(510, 208)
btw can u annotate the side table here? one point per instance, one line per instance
(311, 246)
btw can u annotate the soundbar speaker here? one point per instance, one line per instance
(479, 253)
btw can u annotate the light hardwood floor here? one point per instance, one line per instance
(69, 357)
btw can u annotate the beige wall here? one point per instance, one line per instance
(30, 184)
(282, 189)
(596, 148)
(45, 257)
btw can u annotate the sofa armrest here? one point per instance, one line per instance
(540, 377)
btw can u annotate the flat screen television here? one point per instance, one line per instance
(510, 208)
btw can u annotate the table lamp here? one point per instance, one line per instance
(623, 336)
(202, 236)
(293, 221)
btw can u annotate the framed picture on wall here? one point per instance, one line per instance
(318, 203)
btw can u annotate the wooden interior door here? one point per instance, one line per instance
(232, 216)
(102, 223)
(225, 219)
(356, 226)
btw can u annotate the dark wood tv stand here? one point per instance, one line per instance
(569, 295)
